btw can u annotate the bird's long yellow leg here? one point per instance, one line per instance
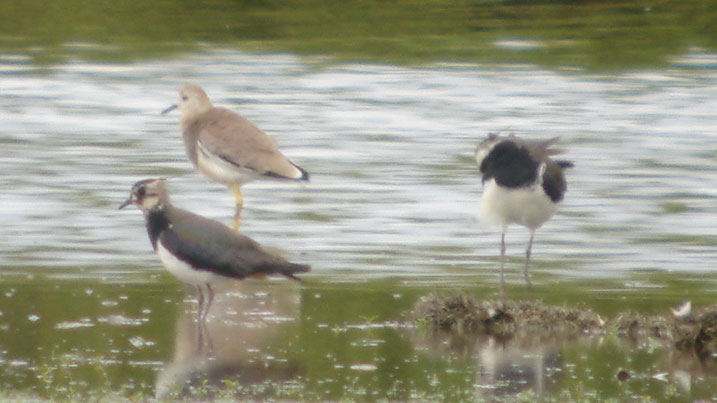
(239, 201)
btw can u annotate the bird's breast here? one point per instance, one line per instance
(181, 269)
(527, 206)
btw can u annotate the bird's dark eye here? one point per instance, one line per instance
(141, 191)
(184, 98)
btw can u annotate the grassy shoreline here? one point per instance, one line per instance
(596, 36)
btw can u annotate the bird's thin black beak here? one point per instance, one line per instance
(170, 109)
(126, 203)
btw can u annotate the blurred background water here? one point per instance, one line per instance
(383, 103)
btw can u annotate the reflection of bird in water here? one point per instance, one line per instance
(505, 368)
(200, 251)
(521, 185)
(227, 148)
(510, 367)
(255, 325)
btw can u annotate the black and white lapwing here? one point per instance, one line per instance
(228, 148)
(521, 185)
(200, 251)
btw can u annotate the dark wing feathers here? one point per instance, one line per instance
(209, 245)
(515, 163)
(554, 183)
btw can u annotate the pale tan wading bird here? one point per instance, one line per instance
(521, 185)
(228, 148)
(200, 251)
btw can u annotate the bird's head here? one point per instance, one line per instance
(192, 102)
(147, 194)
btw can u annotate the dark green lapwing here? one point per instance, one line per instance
(521, 185)
(228, 148)
(200, 251)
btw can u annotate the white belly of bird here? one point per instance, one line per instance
(221, 170)
(182, 270)
(526, 206)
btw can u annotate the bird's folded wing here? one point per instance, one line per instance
(209, 245)
(233, 138)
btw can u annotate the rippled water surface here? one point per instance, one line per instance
(394, 188)
(393, 193)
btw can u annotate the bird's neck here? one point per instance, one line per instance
(191, 117)
(157, 222)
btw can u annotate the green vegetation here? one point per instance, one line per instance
(579, 34)
(94, 341)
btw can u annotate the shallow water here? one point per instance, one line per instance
(394, 188)
(389, 214)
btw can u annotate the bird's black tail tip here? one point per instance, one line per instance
(565, 164)
(294, 269)
(304, 175)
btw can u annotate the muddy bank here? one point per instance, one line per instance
(684, 328)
